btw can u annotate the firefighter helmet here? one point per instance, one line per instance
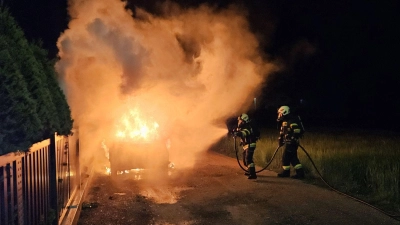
(244, 117)
(283, 111)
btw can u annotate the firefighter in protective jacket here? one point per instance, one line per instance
(291, 130)
(248, 141)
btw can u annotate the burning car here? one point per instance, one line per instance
(136, 145)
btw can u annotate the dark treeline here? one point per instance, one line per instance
(32, 105)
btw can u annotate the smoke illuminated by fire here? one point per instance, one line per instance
(186, 71)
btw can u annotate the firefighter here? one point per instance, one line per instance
(291, 130)
(248, 141)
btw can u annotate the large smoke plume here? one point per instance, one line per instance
(189, 69)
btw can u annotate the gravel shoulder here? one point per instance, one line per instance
(215, 191)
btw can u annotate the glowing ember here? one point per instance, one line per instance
(108, 170)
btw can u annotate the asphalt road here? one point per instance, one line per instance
(214, 192)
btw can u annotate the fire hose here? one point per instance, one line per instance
(265, 167)
(396, 217)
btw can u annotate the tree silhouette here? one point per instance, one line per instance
(32, 105)
(62, 118)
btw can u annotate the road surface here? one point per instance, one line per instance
(216, 192)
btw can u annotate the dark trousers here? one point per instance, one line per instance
(290, 155)
(248, 156)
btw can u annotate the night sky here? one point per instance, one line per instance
(341, 57)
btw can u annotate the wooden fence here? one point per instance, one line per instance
(37, 187)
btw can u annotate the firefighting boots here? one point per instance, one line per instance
(299, 174)
(252, 171)
(284, 173)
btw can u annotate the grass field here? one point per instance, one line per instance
(363, 164)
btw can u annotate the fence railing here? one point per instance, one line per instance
(37, 186)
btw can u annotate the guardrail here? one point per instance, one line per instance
(36, 187)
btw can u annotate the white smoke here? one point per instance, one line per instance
(189, 69)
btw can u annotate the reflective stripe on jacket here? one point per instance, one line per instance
(247, 138)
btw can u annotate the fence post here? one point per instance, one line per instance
(53, 179)
(18, 194)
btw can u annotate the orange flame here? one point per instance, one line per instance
(133, 126)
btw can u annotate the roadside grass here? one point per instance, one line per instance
(364, 164)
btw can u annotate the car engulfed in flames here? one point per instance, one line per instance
(137, 145)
